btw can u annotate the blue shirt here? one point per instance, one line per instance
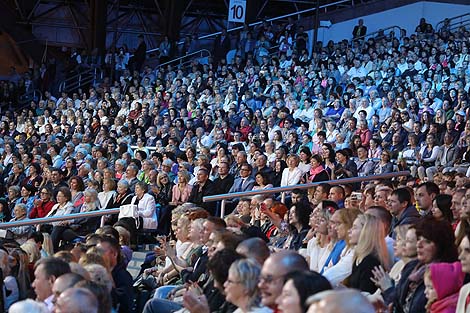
(335, 255)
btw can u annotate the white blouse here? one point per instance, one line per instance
(317, 255)
(290, 178)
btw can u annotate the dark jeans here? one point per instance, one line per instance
(161, 306)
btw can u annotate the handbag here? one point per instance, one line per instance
(130, 210)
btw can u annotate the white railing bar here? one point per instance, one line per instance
(303, 186)
(451, 19)
(277, 18)
(185, 56)
(377, 31)
(48, 220)
(260, 22)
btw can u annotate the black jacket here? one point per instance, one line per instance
(122, 293)
(223, 185)
(361, 274)
(398, 294)
(409, 216)
(197, 195)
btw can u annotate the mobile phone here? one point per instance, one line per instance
(356, 196)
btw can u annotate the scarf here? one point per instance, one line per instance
(315, 171)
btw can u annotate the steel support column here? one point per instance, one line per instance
(98, 14)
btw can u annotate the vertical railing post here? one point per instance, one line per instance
(222, 208)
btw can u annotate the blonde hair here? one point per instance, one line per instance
(124, 235)
(32, 250)
(372, 240)
(401, 230)
(185, 175)
(295, 157)
(347, 217)
(47, 244)
(93, 255)
(80, 270)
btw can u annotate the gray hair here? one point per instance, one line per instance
(86, 166)
(21, 206)
(100, 276)
(123, 183)
(345, 301)
(28, 305)
(248, 272)
(121, 162)
(16, 189)
(91, 192)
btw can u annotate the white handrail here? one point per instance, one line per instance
(351, 180)
(260, 22)
(48, 220)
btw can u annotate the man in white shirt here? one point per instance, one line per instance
(364, 106)
(272, 128)
(357, 70)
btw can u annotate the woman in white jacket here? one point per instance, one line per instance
(145, 205)
(292, 174)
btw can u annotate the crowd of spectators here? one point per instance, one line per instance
(158, 141)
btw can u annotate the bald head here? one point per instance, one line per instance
(255, 248)
(344, 301)
(77, 300)
(289, 261)
(275, 268)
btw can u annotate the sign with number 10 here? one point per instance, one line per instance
(237, 11)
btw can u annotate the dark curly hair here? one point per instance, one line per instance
(440, 232)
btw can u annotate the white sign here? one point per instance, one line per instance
(237, 11)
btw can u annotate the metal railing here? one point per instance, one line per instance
(261, 22)
(51, 219)
(83, 78)
(379, 31)
(227, 196)
(203, 53)
(25, 99)
(454, 22)
(223, 197)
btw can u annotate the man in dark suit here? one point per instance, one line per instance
(221, 46)
(359, 30)
(140, 54)
(262, 167)
(203, 187)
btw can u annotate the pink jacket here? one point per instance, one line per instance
(181, 196)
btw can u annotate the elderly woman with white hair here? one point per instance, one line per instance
(20, 233)
(145, 206)
(241, 287)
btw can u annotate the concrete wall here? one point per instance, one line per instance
(407, 17)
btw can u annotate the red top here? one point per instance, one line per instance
(41, 210)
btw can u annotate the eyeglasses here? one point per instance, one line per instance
(269, 278)
(44, 193)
